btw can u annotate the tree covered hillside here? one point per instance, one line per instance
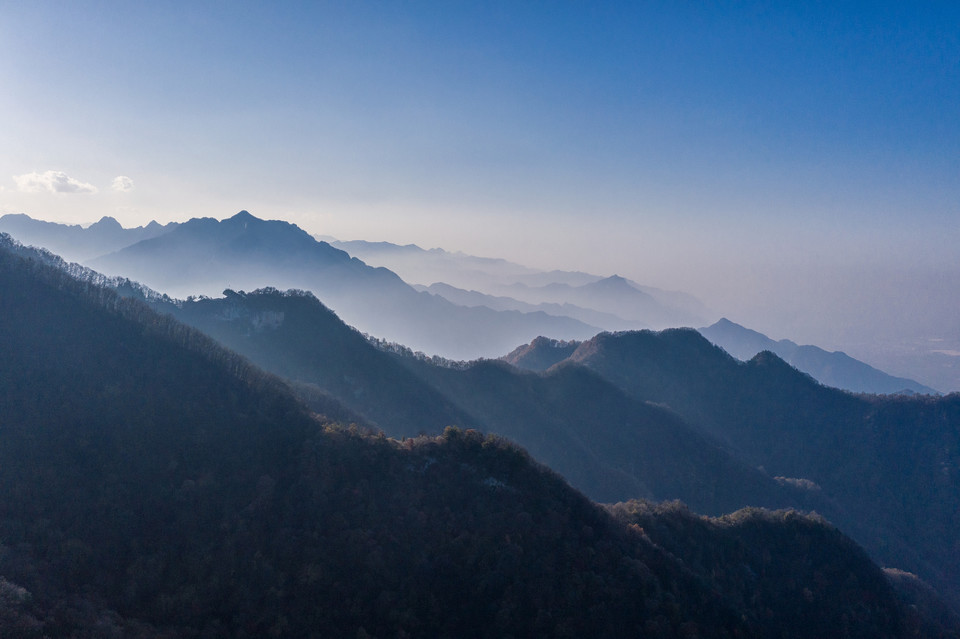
(153, 484)
(602, 441)
(891, 462)
(652, 415)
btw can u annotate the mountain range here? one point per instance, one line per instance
(155, 484)
(835, 369)
(927, 352)
(77, 243)
(204, 257)
(615, 301)
(424, 266)
(297, 337)
(658, 415)
(891, 461)
(504, 303)
(246, 253)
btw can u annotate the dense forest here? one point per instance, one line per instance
(156, 485)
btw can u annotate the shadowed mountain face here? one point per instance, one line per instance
(831, 368)
(204, 256)
(605, 443)
(297, 337)
(155, 485)
(75, 243)
(842, 455)
(889, 461)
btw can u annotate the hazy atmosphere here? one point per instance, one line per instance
(479, 319)
(795, 168)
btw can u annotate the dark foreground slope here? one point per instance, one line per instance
(769, 559)
(154, 485)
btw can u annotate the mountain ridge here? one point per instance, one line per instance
(774, 416)
(836, 369)
(75, 242)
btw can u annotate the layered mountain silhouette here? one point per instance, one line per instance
(614, 302)
(206, 256)
(573, 421)
(884, 469)
(297, 337)
(76, 243)
(157, 485)
(424, 266)
(616, 296)
(490, 276)
(890, 461)
(835, 369)
(504, 303)
(661, 415)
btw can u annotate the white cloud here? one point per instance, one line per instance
(53, 182)
(122, 183)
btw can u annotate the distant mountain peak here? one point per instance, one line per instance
(241, 220)
(107, 222)
(611, 282)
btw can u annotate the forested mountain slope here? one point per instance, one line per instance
(295, 336)
(615, 447)
(603, 442)
(540, 354)
(890, 461)
(154, 485)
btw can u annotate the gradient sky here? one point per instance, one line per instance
(734, 151)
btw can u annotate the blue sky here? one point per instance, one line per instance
(714, 148)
